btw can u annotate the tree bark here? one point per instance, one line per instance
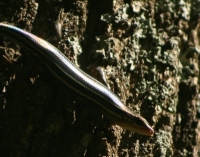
(149, 53)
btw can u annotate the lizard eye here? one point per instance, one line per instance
(139, 122)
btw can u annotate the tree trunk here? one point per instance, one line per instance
(148, 52)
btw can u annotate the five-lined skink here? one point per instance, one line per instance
(79, 81)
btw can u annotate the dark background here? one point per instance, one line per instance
(149, 52)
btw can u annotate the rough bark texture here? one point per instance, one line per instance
(149, 53)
